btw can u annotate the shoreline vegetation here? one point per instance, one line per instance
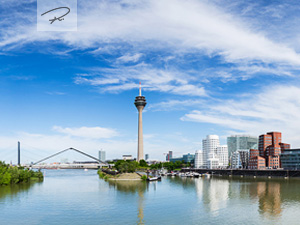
(124, 170)
(15, 175)
(127, 170)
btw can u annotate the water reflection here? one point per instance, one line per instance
(268, 196)
(266, 193)
(215, 194)
(11, 191)
(133, 187)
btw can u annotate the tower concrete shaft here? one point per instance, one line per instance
(140, 153)
(140, 103)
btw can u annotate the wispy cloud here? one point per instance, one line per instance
(153, 79)
(55, 93)
(275, 108)
(175, 105)
(130, 58)
(173, 24)
(87, 132)
(21, 77)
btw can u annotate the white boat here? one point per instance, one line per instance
(86, 170)
(207, 175)
(153, 178)
(196, 174)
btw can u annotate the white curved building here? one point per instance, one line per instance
(209, 145)
(213, 156)
(199, 162)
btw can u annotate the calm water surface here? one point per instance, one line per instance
(79, 197)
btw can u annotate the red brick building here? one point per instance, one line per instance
(270, 147)
(256, 161)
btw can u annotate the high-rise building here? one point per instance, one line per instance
(140, 103)
(209, 145)
(222, 154)
(188, 158)
(240, 159)
(199, 163)
(146, 157)
(102, 156)
(213, 161)
(256, 161)
(214, 154)
(290, 159)
(241, 142)
(244, 158)
(169, 156)
(235, 160)
(270, 147)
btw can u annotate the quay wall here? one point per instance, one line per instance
(246, 172)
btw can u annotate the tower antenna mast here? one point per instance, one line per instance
(140, 89)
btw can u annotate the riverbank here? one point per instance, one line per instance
(118, 177)
(14, 174)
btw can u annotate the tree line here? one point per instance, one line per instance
(14, 175)
(124, 166)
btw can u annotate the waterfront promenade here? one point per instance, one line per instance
(247, 172)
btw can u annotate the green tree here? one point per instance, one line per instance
(143, 163)
(126, 166)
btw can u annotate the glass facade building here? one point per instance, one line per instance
(290, 159)
(188, 158)
(241, 142)
(102, 156)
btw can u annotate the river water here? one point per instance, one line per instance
(80, 197)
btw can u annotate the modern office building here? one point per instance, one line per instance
(240, 159)
(256, 161)
(209, 145)
(140, 103)
(102, 155)
(187, 158)
(270, 147)
(214, 155)
(146, 157)
(199, 163)
(169, 156)
(241, 142)
(290, 159)
(222, 155)
(213, 161)
(244, 158)
(236, 162)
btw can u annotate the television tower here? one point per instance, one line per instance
(140, 103)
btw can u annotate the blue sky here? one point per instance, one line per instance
(206, 67)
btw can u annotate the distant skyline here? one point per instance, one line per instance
(206, 67)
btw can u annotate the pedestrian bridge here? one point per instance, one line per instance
(95, 164)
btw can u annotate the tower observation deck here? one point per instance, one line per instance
(140, 103)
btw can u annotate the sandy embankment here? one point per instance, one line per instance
(126, 176)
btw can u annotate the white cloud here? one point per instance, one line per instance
(175, 105)
(130, 58)
(173, 24)
(87, 132)
(127, 78)
(276, 108)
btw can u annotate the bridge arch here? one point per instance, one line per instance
(69, 149)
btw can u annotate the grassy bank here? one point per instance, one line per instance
(120, 176)
(14, 175)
